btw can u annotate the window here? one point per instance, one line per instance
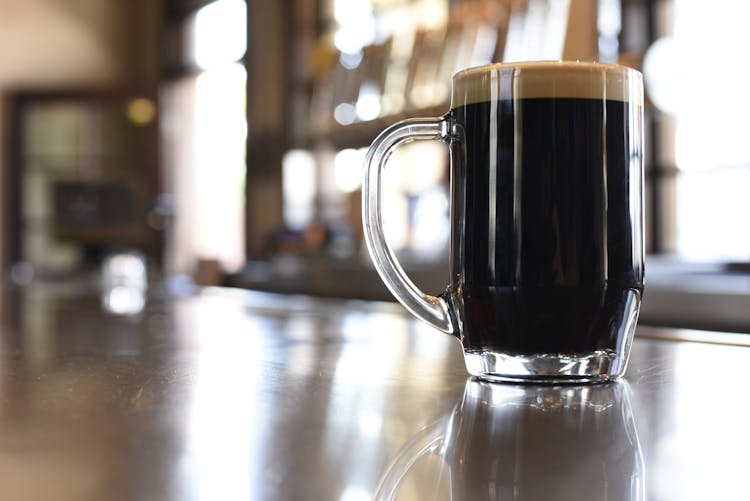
(205, 129)
(695, 75)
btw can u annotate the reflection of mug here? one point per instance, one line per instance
(546, 219)
(527, 443)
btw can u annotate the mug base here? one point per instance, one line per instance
(597, 367)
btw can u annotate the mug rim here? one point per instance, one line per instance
(555, 65)
(547, 79)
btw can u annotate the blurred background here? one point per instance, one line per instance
(178, 143)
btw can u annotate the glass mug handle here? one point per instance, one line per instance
(432, 309)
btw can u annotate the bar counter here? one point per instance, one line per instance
(228, 394)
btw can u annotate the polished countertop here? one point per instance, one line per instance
(227, 394)
(712, 295)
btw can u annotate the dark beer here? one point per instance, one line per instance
(544, 257)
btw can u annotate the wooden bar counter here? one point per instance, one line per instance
(227, 394)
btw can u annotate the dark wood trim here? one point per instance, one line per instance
(10, 183)
(180, 9)
(654, 188)
(268, 79)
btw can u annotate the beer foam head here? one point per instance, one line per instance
(547, 79)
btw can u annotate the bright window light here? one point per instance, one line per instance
(537, 31)
(220, 33)
(220, 135)
(348, 169)
(697, 76)
(368, 103)
(356, 25)
(345, 113)
(431, 223)
(298, 169)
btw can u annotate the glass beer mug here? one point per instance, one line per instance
(546, 252)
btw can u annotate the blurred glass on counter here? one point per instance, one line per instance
(124, 282)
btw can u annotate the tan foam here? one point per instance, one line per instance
(547, 79)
